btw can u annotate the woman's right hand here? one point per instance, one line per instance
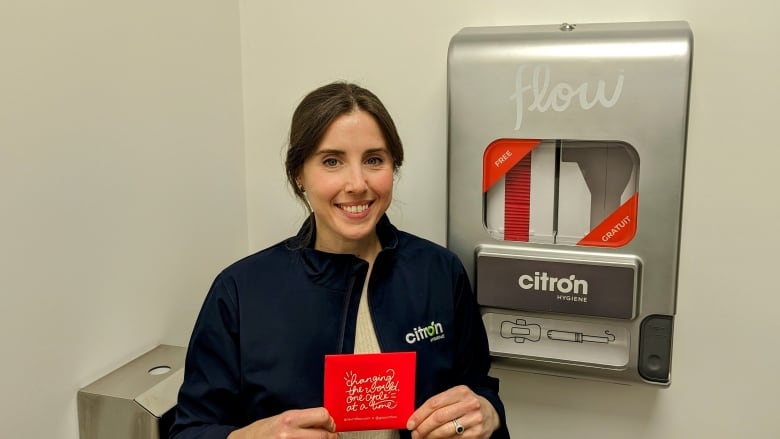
(313, 423)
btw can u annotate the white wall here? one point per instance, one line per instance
(122, 172)
(121, 189)
(724, 382)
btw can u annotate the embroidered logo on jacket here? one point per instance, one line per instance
(432, 332)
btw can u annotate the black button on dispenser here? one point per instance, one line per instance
(655, 348)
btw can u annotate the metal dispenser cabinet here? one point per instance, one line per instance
(137, 400)
(566, 162)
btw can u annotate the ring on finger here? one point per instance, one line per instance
(459, 429)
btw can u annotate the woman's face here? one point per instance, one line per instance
(349, 183)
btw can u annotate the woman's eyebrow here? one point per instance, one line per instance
(340, 152)
(376, 150)
(330, 152)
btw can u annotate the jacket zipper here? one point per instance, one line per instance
(345, 313)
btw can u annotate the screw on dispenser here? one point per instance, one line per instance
(566, 27)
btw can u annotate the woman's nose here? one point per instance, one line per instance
(356, 180)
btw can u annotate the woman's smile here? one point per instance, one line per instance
(354, 209)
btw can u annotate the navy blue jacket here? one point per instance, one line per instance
(259, 343)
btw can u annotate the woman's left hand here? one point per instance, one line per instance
(456, 409)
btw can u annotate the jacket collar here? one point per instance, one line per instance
(331, 269)
(307, 234)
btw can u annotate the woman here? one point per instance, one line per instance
(349, 281)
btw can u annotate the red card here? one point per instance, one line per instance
(370, 391)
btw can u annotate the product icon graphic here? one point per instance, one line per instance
(579, 337)
(520, 331)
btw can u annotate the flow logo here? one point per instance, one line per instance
(432, 332)
(546, 95)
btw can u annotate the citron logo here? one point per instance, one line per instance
(544, 282)
(432, 332)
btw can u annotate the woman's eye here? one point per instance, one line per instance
(375, 161)
(331, 162)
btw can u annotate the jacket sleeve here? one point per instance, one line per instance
(209, 398)
(473, 355)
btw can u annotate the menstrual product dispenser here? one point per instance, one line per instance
(566, 162)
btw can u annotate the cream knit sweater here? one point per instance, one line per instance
(366, 342)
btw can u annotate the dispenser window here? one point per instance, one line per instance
(568, 192)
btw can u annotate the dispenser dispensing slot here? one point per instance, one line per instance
(561, 191)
